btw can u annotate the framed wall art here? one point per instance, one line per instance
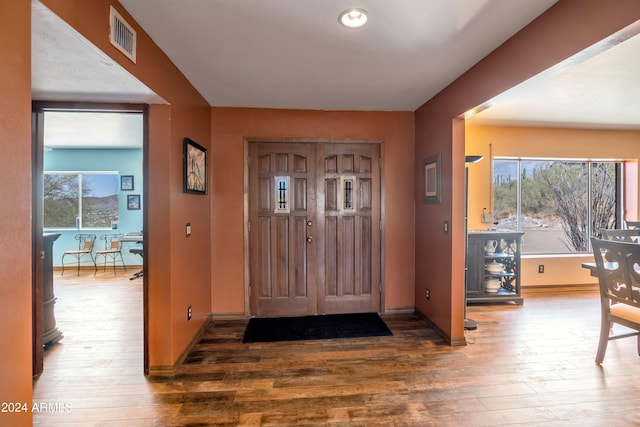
(431, 181)
(133, 202)
(126, 183)
(194, 160)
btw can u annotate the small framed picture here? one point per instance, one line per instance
(194, 159)
(126, 182)
(431, 166)
(133, 201)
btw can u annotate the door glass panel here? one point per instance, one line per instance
(281, 192)
(348, 188)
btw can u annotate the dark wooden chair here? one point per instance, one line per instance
(85, 249)
(618, 265)
(112, 250)
(629, 235)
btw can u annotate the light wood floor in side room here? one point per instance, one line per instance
(524, 365)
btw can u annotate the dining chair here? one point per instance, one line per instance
(627, 235)
(112, 250)
(85, 249)
(618, 266)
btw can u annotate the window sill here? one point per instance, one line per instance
(543, 256)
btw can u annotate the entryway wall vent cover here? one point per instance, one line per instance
(122, 35)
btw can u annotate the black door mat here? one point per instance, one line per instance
(320, 327)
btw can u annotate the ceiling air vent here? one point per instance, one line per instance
(122, 35)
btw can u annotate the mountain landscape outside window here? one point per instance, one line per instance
(80, 200)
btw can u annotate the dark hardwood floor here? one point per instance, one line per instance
(524, 365)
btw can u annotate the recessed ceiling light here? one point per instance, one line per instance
(353, 18)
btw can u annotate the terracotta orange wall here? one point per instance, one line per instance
(565, 29)
(546, 143)
(176, 275)
(229, 128)
(15, 252)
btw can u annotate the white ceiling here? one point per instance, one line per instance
(596, 88)
(294, 54)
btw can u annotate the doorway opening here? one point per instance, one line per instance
(89, 175)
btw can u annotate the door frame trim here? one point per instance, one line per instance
(252, 140)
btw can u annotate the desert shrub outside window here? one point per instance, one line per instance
(559, 204)
(80, 200)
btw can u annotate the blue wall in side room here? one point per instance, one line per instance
(125, 162)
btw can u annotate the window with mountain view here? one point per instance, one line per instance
(559, 204)
(80, 200)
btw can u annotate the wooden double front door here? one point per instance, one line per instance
(314, 228)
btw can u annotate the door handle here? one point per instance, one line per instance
(309, 239)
